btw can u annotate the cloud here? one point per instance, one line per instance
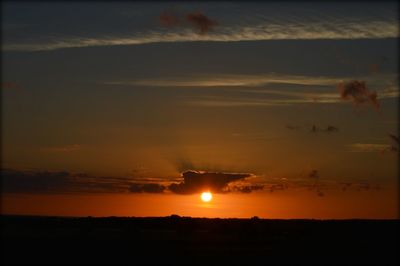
(19, 181)
(147, 188)
(246, 188)
(14, 181)
(316, 186)
(197, 181)
(394, 146)
(237, 81)
(263, 30)
(359, 186)
(394, 138)
(368, 147)
(357, 92)
(331, 129)
(313, 174)
(168, 19)
(197, 20)
(328, 129)
(252, 88)
(315, 128)
(201, 22)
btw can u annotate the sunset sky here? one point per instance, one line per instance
(280, 110)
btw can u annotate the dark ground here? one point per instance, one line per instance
(203, 241)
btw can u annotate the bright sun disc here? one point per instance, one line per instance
(206, 196)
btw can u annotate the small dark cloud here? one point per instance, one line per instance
(316, 185)
(195, 182)
(314, 174)
(359, 186)
(357, 92)
(394, 146)
(169, 19)
(201, 22)
(197, 20)
(328, 129)
(315, 128)
(331, 129)
(146, 188)
(247, 188)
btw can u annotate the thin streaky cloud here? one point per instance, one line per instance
(367, 147)
(268, 30)
(253, 102)
(229, 81)
(240, 80)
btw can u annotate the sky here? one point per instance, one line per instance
(279, 109)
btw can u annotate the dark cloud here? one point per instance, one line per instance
(359, 186)
(394, 138)
(16, 181)
(394, 147)
(146, 188)
(328, 129)
(357, 92)
(331, 129)
(168, 19)
(201, 22)
(247, 188)
(317, 184)
(195, 182)
(313, 174)
(197, 20)
(316, 128)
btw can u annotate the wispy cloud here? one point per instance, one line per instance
(299, 89)
(262, 31)
(368, 147)
(230, 81)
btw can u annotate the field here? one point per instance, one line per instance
(174, 239)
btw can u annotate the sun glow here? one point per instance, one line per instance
(206, 196)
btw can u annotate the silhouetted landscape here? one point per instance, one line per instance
(175, 239)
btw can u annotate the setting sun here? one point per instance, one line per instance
(206, 196)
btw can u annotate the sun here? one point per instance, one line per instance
(206, 196)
